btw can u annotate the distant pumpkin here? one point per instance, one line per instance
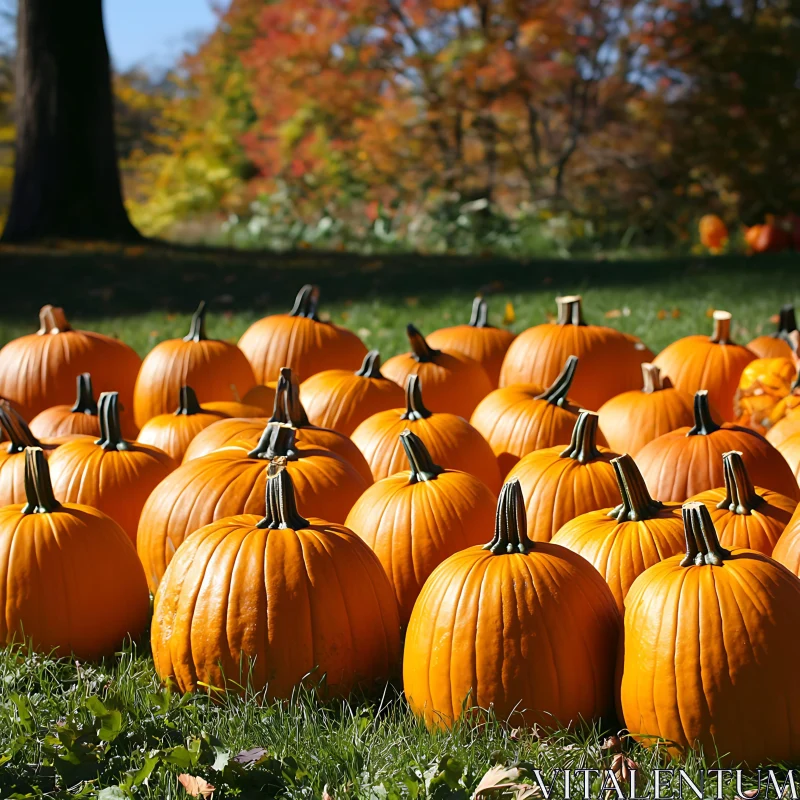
(713, 232)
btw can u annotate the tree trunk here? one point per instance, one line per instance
(66, 181)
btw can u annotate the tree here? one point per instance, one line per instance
(66, 181)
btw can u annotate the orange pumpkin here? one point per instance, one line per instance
(417, 518)
(39, 370)
(81, 417)
(560, 483)
(769, 237)
(787, 548)
(622, 542)
(72, 585)
(450, 439)
(301, 341)
(714, 363)
(785, 428)
(477, 340)
(233, 481)
(234, 408)
(790, 449)
(275, 603)
(608, 359)
(110, 474)
(262, 396)
(632, 419)
(765, 393)
(778, 344)
(341, 400)
(713, 232)
(215, 369)
(688, 461)
(453, 382)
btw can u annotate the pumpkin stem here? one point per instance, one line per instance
(787, 322)
(306, 302)
(583, 446)
(276, 441)
(415, 408)
(480, 313)
(85, 402)
(287, 408)
(370, 366)
(282, 510)
(16, 429)
(722, 328)
(637, 504)
(52, 320)
(653, 380)
(569, 310)
(740, 494)
(510, 522)
(197, 329)
(110, 429)
(702, 542)
(420, 349)
(703, 422)
(188, 404)
(419, 459)
(38, 487)
(557, 393)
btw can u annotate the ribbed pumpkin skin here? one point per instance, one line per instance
(532, 635)
(291, 602)
(787, 548)
(173, 433)
(784, 429)
(262, 396)
(790, 449)
(487, 346)
(62, 421)
(770, 347)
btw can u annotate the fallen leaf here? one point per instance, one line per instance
(364, 333)
(196, 786)
(326, 795)
(661, 314)
(504, 782)
(345, 315)
(615, 313)
(775, 319)
(509, 315)
(676, 312)
(412, 301)
(515, 735)
(709, 312)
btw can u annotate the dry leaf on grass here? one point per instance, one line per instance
(196, 786)
(504, 782)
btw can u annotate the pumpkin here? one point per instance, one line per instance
(787, 548)
(450, 439)
(110, 474)
(275, 603)
(785, 427)
(713, 232)
(72, 584)
(215, 369)
(560, 483)
(768, 237)
(173, 433)
(688, 461)
(790, 450)
(417, 518)
(528, 629)
(453, 382)
(477, 340)
(301, 341)
(778, 344)
(261, 396)
(39, 370)
(766, 392)
(232, 481)
(340, 399)
(632, 419)
(608, 359)
(234, 408)
(622, 542)
(711, 652)
(745, 515)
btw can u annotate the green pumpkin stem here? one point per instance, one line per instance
(420, 349)
(287, 409)
(306, 302)
(637, 504)
(16, 429)
(583, 446)
(480, 314)
(570, 311)
(111, 437)
(722, 328)
(39, 495)
(370, 366)
(52, 320)
(281, 503)
(415, 408)
(277, 441)
(702, 542)
(419, 459)
(704, 424)
(557, 393)
(653, 380)
(85, 402)
(197, 328)
(510, 522)
(740, 494)
(787, 323)
(188, 404)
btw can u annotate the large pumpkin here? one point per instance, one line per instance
(274, 603)
(787, 548)
(623, 541)
(215, 369)
(417, 518)
(450, 439)
(688, 461)
(110, 474)
(609, 360)
(713, 362)
(233, 481)
(528, 629)
(301, 341)
(341, 399)
(784, 428)
(560, 483)
(712, 656)
(71, 582)
(453, 382)
(778, 344)
(39, 370)
(632, 419)
(477, 340)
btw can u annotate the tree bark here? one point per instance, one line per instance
(66, 181)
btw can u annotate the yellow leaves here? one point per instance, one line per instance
(509, 315)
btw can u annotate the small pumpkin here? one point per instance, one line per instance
(766, 392)
(688, 461)
(110, 474)
(778, 344)
(450, 439)
(417, 518)
(305, 603)
(453, 382)
(72, 583)
(560, 483)
(713, 232)
(477, 340)
(711, 656)
(768, 237)
(301, 341)
(340, 399)
(489, 630)
(215, 369)
(632, 419)
(622, 542)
